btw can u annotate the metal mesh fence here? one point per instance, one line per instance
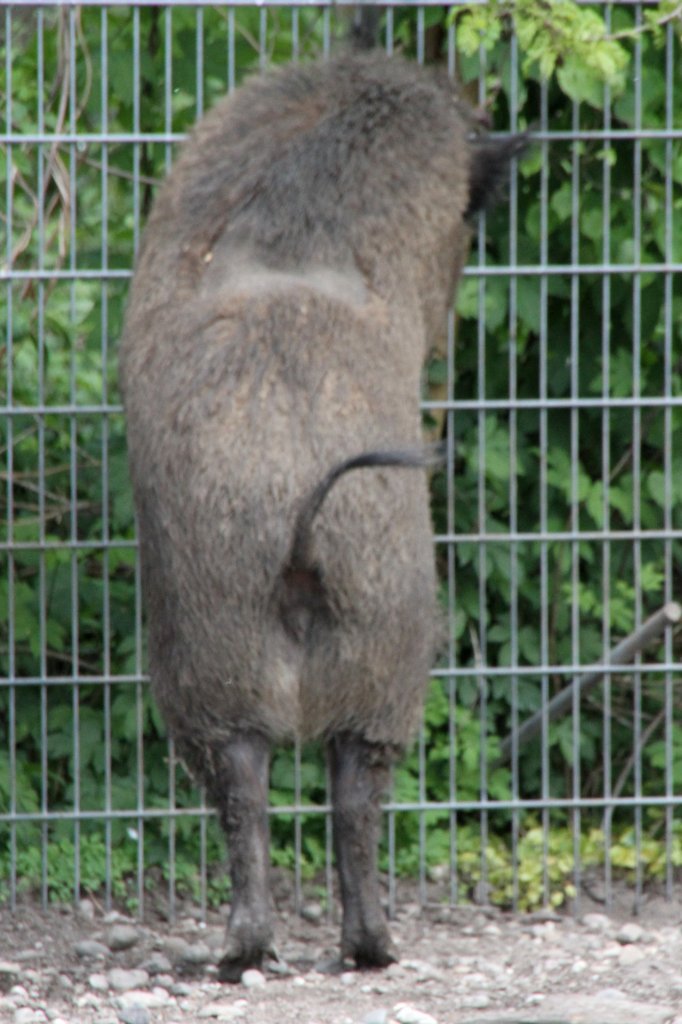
(557, 390)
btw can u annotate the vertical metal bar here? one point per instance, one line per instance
(168, 82)
(421, 761)
(172, 805)
(482, 518)
(42, 584)
(636, 446)
(668, 452)
(574, 503)
(230, 50)
(203, 863)
(605, 476)
(11, 580)
(329, 849)
(139, 757)
(104, 241)
(452, 52)
(203, 857)
(136, 127)
(513, 470)
(171, 752)
(295, 35)
(389, 30)
(326, 32)
(263, 39)
(298, 902)
(12, 716)
(172, 767)
(544, 553)
(450, 427)
(451, 519)
(139, 707)
(204, 812)
(420, 35)
(200, 60)
(73, 461)
(391, 864)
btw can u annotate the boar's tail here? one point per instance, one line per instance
(300, 594)
(301, 548)
(490, 159)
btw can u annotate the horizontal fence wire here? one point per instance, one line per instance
(557, 516)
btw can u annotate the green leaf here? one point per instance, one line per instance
(655, 484)
(581, 83)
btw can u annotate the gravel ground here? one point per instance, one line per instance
(71, 965)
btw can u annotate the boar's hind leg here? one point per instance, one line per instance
(360, 773)
(239, 788)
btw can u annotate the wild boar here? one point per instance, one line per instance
(297, 265)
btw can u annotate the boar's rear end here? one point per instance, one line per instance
(296, 268)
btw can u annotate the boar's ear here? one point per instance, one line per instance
(490, 159)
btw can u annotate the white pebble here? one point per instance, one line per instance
(139, 997)
(597, 923)
(608, 951)
(424, 969)
(535, 999)
(180, 988)
(406, 1014)
(477, 1001)
(98, 982)
(253, 978)
(122, 980)
(630, 955)
(313, 912)
(375, 1017)
(165, 981)
(27, 1015)
(122, 937)
(196, 954)
(438, 872)
(610, 993)
(630, 933)
(474, 980)
(89, 1000)
(221, 1011)
(86, 908)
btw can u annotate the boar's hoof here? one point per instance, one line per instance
(244, 951)
(231, 968)
(370, 950)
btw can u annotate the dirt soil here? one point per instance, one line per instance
(457, 965)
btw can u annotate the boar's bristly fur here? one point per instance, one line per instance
(297, 266)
